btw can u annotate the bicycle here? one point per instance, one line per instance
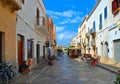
(14, 72)
(3, 75)
(8, 72)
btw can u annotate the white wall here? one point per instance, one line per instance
(114, 35)
(101, 35)
(26, 25)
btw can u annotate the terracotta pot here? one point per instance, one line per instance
(51, 62)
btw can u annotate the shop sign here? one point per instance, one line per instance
(112, 26)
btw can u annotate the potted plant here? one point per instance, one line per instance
(51, 59)
(117, 81)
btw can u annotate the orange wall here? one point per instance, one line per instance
(8, 26)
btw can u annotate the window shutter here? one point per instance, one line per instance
(118, 3)
(114, 6)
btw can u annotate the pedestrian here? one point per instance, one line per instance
(29, 62)
(25, 67)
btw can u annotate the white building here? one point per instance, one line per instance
(31, 31)
(83, 41)
(108, 34)
(114, 32)
(74, 41)
(100, 18)
(103, 24)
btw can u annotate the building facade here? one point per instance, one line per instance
(51, 39)
(83, 41)
(8, 30)
(32, 31)
(103, 31)
(114, 32)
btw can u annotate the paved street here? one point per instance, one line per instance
(72, 71)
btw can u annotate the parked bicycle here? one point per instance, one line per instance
(7, 72)
(3, 75)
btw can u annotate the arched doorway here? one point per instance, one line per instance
(106, 50)
(101, 49)
(1, 47)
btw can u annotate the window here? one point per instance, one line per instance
(93, 27)
(30, 48)
(0, 47)
(100, 25)
(105, 12)
(37, 15)
(115, 6)
(94, 24)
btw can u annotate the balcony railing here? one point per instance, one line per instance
(79, 44)
(100, 26)
(93, 31)
(93, 42)
(42, 24)
(88, 34)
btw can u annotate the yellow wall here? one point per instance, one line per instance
(8, 26)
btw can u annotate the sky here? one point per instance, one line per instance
(67, 15)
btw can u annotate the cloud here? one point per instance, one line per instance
(68, 13)
(66, 22)
(59, 28)
(73, 20)
(65, 36)
(77, 19)
(63, 22)
(61, 36)
(69, 16)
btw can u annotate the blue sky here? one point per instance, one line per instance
(67, 15)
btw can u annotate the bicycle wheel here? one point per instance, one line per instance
(4, 79)
(0, 80)
(15, 74)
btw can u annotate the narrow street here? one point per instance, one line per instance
(73, 71)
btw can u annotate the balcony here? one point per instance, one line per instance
(14, 5)
(42, 24)
(53, 43)
(79, 44)
(93, 42)
(93, 31)
(88, 34)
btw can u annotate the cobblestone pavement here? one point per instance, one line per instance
(72, 71)
(24, 78)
